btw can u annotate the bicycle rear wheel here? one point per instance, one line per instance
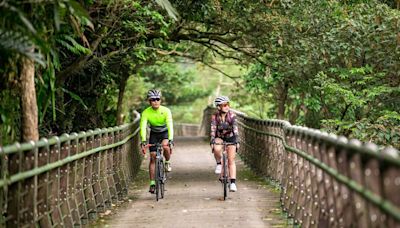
(225, 176)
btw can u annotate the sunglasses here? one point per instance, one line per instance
(154, 99)
(224, 105)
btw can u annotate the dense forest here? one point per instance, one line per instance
(72, 65)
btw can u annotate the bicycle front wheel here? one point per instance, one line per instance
(225, 176)
(161, 179)
(157, 168)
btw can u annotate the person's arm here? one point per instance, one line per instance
(143, 126)
(213, 127)
(170, 125)
(235, 127)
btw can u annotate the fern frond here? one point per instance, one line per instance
(12, 42)
(70, 44)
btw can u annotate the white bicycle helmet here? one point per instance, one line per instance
(153, 93)
(221, 100)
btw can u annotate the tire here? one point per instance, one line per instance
(225, 177)
(156, 177)
(161, 178)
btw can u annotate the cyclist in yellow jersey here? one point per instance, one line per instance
(159, 118)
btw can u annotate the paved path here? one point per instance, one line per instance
(194, 197)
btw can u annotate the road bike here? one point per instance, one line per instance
(224, 178)
(159, 173)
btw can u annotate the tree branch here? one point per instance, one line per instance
(181, 54)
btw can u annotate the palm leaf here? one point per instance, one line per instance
(21, 16)
(75, 97)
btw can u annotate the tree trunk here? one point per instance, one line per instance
(295, 114)
(122, 85)
(282, 97)
(28, 101)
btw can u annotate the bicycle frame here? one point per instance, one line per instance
(225, 169)
(159, 173)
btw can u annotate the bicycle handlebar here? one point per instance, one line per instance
(224, 143)
(149, 145)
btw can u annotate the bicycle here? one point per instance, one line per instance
(225, 170)
(159, 173)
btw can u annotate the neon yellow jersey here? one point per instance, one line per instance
(159, 120)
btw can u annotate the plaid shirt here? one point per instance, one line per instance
(224, 129)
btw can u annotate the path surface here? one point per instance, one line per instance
(194, 197)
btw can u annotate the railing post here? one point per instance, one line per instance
(271, 148)
(289, 163)
(328, 212)
(372, 179)
(313, 205)
(81, 180)
(301, 212)
(14, 204)
(87, 181)
(110, 166)
(311, 187)
(298, 181)
(116, 164)
(346, 210)
(356, 173)
(64, 182)
(281, 152)
(73, 193)
(135, 152)
(54, 184)
(30, 186)
(123, 160)
(96, 178)
(391, 183)
(267, 153)
(43, 190)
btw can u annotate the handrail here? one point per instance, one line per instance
(67, 180)
(17, 147)
(385, 205)
(326, 180)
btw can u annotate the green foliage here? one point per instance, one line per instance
(175, 83)
(72, 45)
(384, 130)
(9, 117)
(340, 63)
(13, 43)
(330, 64)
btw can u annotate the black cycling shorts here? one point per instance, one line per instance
(157, 137)
(230, 139)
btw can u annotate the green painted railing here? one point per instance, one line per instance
(326, 180)
(66, 181)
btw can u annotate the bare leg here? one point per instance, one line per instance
(167, 150)
(231, 161)
(152, 165)
(218, 150)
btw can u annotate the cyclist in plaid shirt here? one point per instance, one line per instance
(224, 129)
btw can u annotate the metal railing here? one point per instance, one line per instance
(325, 180)
(66, 181)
